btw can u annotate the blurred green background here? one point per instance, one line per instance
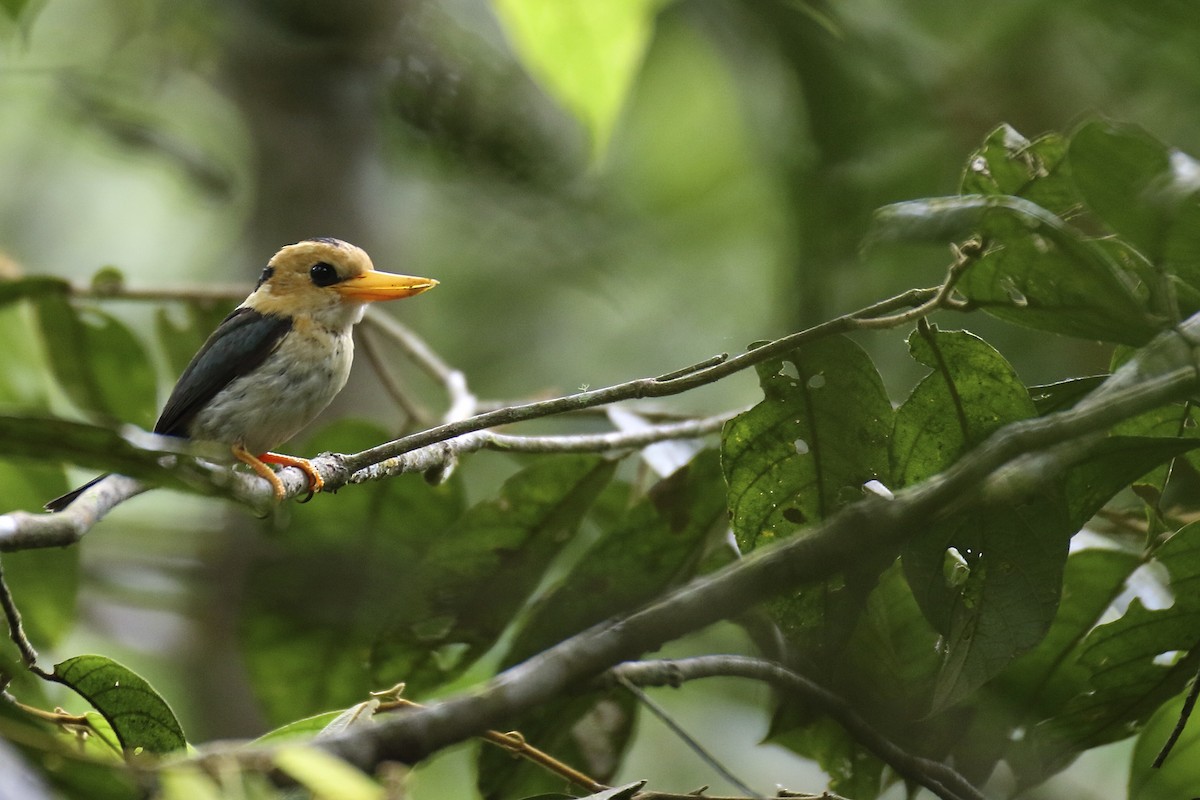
(605, 191)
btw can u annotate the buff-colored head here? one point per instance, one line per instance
(327, 279)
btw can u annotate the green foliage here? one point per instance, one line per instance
(656, 544)
(984, 640)
(140, 718)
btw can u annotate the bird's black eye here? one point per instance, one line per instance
(265, 276)
(323, 274)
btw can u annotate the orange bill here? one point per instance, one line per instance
(374, 285)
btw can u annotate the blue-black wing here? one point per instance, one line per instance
(239, 344)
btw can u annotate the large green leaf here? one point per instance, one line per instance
(98, 362)
(1036, 270)
(394, 582)
(806, 451)
(1126, 178)
(1179, 775)
(658, 543)
(586, 54)
(141, 719)
(988, 579)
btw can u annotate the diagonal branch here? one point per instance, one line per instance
(1005, 468)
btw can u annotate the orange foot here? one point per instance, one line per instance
(259, 465)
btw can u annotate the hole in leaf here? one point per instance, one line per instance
(801, 447)
(1168, 659)
(816, 382)
(794, 515)
(788, 370)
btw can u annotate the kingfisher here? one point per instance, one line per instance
(279, 358)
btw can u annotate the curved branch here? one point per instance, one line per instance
(933, 775)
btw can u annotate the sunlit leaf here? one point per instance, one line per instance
(586, 54)
(325, 775)
(1120, 672)
(141, 719)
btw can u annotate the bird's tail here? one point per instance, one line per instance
(59, 503)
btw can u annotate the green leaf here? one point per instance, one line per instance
(1117, 462)
(1119, 676)
(325, 775)
(99, 364)
(798, 457)
(987, 579)
(586, 54)
(1063, 395)
(394, 582)
(658, 544)
(1009, 164)
(806, 450)
(1125, 176)
(307, 727)
(141, 719)
(1180, 773)
(1036, 270)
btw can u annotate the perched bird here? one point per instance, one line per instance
(279, 358)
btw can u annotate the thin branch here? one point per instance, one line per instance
(708, 758)
(615, 440)
(16, 631)
(933, 775)
(372, 462)
(462, 402)
(395, 390)
(1185, 713)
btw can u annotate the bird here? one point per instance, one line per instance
(279, 358)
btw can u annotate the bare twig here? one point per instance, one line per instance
(462, 403)
(16, 632)
(413, 410)
(933, 775)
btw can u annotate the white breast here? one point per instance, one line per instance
(267, 407)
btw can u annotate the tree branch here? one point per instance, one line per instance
(1163, 371)
(933, 775)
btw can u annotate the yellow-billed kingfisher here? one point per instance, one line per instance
(279, 358)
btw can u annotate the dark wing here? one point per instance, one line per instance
(239, 344)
